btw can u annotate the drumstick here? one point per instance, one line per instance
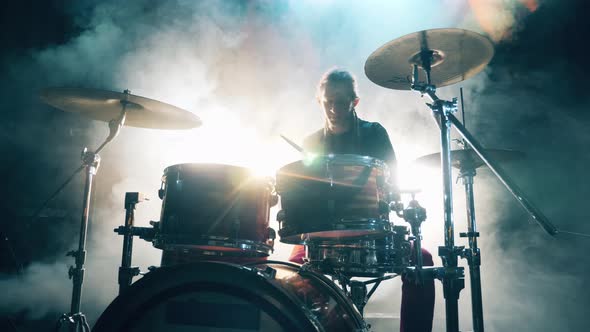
(293, 144)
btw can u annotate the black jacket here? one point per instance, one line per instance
(371, 140)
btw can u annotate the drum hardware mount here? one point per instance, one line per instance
(415, 215)
(356, 290)
(126, 271)
(128, 231)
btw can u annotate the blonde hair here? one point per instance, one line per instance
(337, 75)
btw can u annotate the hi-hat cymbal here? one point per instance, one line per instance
(469, 159)
(106, 105)
(457, 54)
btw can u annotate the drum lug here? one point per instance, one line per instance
(270, 272)
(272, 235)
(281, 216)
(274, 199)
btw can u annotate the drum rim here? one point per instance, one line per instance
(166, 242)
(344, 159)
(141, 295)
(376, 227)
(180, 166)
(308, 270)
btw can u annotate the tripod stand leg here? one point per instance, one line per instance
(476, 298)
(473, 254)
(451, 288)
(77, 273)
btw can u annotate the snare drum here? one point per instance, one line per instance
(215, 296)
(214, 209)
(333, 197)
(362, 258)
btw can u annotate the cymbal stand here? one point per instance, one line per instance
(453, 275)
(472, 254)
(90, 161)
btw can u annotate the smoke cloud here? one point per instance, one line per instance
(249, 70)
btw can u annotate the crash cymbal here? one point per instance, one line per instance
(106, 105)
(469, 158)
(457, 54)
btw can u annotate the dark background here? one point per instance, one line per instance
(535, 100)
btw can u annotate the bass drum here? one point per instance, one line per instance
(215, 296)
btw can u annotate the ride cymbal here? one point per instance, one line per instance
(454, 54)
(468, 158)
(104, 105)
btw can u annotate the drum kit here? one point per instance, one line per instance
(214, 225)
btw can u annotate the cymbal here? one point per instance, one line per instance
(457, 55)
(104, 105)
(470, 159)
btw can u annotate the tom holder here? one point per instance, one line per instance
(415, 215)
(126, 271)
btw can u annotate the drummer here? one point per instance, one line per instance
(345, 133)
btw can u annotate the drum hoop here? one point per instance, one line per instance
(346, 245)
(307, 271)
(171, 242)
(184, 270)
(339, 159)
(346, 222)
(360, 224)
(353, 159)
(363, 272)
(188, 166)
(357, 224)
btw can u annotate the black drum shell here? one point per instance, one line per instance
(333, 196)
(277, 291)
(203, 204)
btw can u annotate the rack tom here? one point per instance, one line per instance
(333, 197)
(214, 209)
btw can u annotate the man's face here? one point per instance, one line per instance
(337, 103)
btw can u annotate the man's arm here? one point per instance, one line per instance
(314, 142)
(387, 154)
